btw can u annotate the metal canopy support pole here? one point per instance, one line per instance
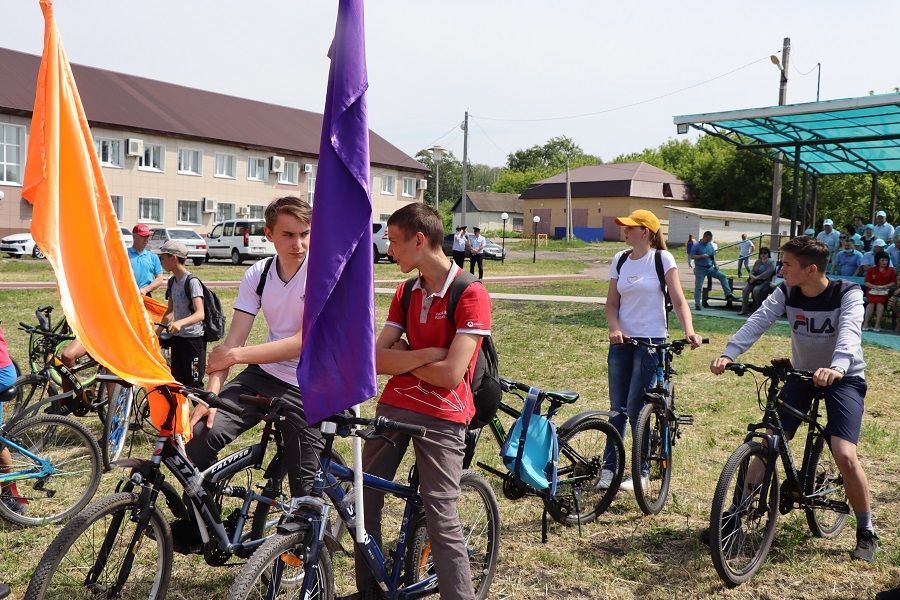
(873, 198)
(815, 199)
(804, 216)
(796, 199)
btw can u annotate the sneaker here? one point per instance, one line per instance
(12, 503)
(627, 485)
(606, 478)
(697, 307)
(866, 545)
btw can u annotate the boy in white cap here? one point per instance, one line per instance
(184, 316)
(883, 229)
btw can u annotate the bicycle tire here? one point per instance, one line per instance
(61, 494)
(107, 512)
(480, 518)
(289, 548)
(825, 475)
(648, 445)
(586, 459)
(115, 423)
(726, 548)
(30, 389)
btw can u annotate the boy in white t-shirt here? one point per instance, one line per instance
(745, 249)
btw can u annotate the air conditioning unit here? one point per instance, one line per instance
(307, 168)
(244, 211)
(134, 147)
(209, 205)
(423, 184)
(276, 164)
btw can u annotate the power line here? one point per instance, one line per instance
(624, 106)
(490, 139)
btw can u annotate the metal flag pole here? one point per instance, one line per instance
(358, 485)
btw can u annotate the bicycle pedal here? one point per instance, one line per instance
(685, 419)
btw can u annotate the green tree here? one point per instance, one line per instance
(524, 167)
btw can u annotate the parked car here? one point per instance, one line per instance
(380, 241)
(239, 239)
(127, 237)
(492, 251)
(195, 243)
(18, 245)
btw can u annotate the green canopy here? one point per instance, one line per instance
(832, 137)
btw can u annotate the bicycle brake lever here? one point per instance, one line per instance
(369, 434)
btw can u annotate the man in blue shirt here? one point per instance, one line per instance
(704, 255)
(847, 260)
(894, 252)
(145, 265)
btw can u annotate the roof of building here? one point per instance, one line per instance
(493, 202)
(613, 179)
(121, 101)
(729, 215)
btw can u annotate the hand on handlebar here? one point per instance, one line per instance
(824, 377)
(201, 412)
(695, 340)
(717, 366)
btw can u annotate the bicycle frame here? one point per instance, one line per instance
(46, 467)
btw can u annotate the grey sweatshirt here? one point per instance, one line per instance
(826, 330)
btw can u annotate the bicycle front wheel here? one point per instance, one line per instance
(591, 463)
(741, 522)
(115, 425)
(651, 458)
(276, 571)
(30, 389)
(54, 472)
(101, 546)
(480, 519)
(824, 480)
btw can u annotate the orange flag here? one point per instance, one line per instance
(77, 230)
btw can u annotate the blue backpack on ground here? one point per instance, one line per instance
(531, 451)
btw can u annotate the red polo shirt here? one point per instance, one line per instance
(427, 326)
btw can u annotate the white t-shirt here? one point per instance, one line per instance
(282, 306)
(642, 306)
(746, 248)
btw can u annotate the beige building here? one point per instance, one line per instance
(600, 193)
(174, 155)
(485, 210)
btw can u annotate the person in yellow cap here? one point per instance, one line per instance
(636, 308)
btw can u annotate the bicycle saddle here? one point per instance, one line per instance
(8, 395)
(563, 397)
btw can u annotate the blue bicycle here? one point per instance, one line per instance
(296, 563)
(49, 466)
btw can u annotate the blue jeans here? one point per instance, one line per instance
(700, 274)
(745, 261)
(632, 371)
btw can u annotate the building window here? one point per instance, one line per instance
(290, 173)
(256, 169)
(311, 183)
(152, 160)
(224, 211)
(109, 151)
(256, 211)
(150, 210)
(117, 206)
(409, 187)
(12, 155)
(727, 223)
(225, 165)
(518, 222)
(387, 184)
(189, 161)
(188, 212)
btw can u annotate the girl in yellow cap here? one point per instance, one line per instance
(635, 308)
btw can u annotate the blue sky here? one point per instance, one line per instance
(429, 61)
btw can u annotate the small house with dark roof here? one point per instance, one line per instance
(179, 156)
(600, 193)
(484, 209)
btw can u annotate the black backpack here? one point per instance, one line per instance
(486, 376)
(659, 273)
(213, 317)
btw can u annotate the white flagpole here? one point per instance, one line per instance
(358, 485)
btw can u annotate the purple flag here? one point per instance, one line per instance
(337, 363)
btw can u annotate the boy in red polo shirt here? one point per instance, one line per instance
(430, 386)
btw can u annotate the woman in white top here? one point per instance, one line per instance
(635, 308)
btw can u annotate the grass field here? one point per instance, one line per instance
(623, 554)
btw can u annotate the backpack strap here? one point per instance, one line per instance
(187, 290)
(457, 287)
(657, 258)
(262, 278)
(622, 260)
(169, 283)
(406, 295)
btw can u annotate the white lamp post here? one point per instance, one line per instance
(536, 220)
(505, 218)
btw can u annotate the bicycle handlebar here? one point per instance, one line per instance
(508, 385)
(31, 329)
(677, 345)
(378, 425)
(780, 372)
(211, 400)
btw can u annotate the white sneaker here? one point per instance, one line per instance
(606, 477)
(627, 485)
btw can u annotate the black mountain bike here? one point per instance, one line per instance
(121, 545)
(582, 442)
(657, 430)
(748, 496)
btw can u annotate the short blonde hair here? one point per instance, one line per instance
(290, 205)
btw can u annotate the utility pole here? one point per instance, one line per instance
(568, 203)
(465, 166)
(777, 169)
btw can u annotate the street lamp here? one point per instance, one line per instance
(536, 220)
(436, 153)
(505, 218)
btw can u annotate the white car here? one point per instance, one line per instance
(239, 239)
(380, 242)
(18, 245)
(127, 237)
(195, 243)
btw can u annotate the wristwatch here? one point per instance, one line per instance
(840, 370)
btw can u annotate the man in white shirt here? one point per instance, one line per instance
(476, 247)
(460, 241)
(745, 250)
(883, 229)
(830, 237)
